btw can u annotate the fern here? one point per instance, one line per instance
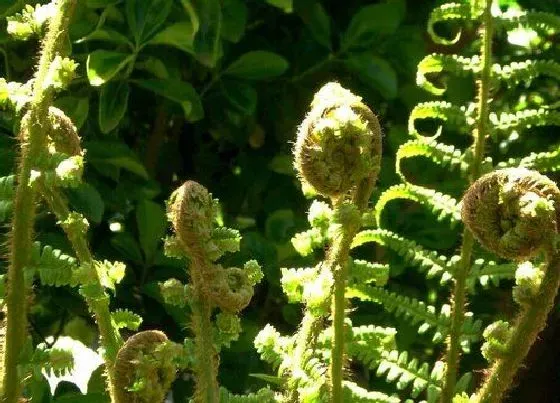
(442, 154)
(53, 267)
(262, 396)
(548, 161)
(507, 122)
(453, 115)
(124, 318)
(444, 206)
(355, 394)
(6, 196)
(364, 272)
(544, 23)
(489, 272)
(453, 12)
(437, 63)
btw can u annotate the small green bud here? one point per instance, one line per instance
(497, 335)
(61, 72)
(317, 293)
(528, 279)
(254, 272)
(75, 223)
(173, 292)
(69, 172)
(305, 242)
(319, 215)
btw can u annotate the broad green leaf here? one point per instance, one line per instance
(234, 20)
(113, 102)
(145, 17)
(75, 108)
(126, 245)
(178, 91)
(257, 65)
(87, 200)
(371, 21)
(375, 72)
(179, 35)
(151, 222)
(286, 5)
(116, 154)
(207, 44)
(106, 35)
(102, 65)
(241, 95)
(315, 19)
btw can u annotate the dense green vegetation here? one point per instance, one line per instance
(107, 108)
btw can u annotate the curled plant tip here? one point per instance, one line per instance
(231, 289)
(496, 335)
(513, 212)
(528, 280)
(62, 134)
(190, 209)
(339, 142)
(144, 371)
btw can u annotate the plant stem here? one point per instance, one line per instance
(479, 134)
(525, 331)
(32, 138)
(110, 338)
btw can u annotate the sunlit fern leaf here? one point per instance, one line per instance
(53, 360)
(54, 267)
(271, 345)
(364, 272)
(353, 393)
(507, 122)
(369, 342)
(398, 368)
(427, 260)
(262, 396)
(526, 71)
(548, 161)
(124, 318)
(442, 154)
(7, 190)
(452, 115)
(437, 63)
(541, 22)
(444, 206)
(450, 12)
(489, 273)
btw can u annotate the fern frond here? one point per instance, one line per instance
(548, 161)
(489, 272)
(7, 190)
(262, 396)
(444, 206)
(54, 267)
(271, 345)
(364, 272)
(369, 342)
(413, 253)
(455, 12)
(437, 63)
(442, 154)
(53, 360)
(525, 119)
(526, 71)
(397, 368)
(124, 318)
(445, 111)
(545, 23)
(356, 394)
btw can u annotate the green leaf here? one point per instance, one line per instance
(371, 21)
(86, 199)
(75, 108)
(126, 245)
(375, 72)
(241, 95)
(178, 91)
(124, 318)
(116, 154)
(113, 102)
(179, 35)
(316, 20)
(207, 44)
(285, 5)
(106, 35)
(234, 20)
(102, 65)
(145, 17)
(151, 222)
(257, 65)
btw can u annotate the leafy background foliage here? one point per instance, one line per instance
(213, 91)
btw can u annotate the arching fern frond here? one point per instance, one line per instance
(548, 161)
(526, 71)
(369, 342)
(6, 196)
(124, 318)
(54, 267)
(489, 272)
(364, 272)
(438, 63)
(442, 154)
(444, 206)
(520, 120)
(271, 345)
(397, 368)
(544, 23)
(427, 260)
(262, 396)
(352, 393)
(450, 12)
(445, 111)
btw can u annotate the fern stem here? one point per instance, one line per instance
(110, 338)
(479, 134)
(32, 140)
(525, 331)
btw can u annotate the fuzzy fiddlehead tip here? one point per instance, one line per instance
(190, 210)
(62, 133)
(144, 369)
(339, 142)
(513, 212)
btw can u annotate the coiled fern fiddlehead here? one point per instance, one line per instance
(515, 213)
